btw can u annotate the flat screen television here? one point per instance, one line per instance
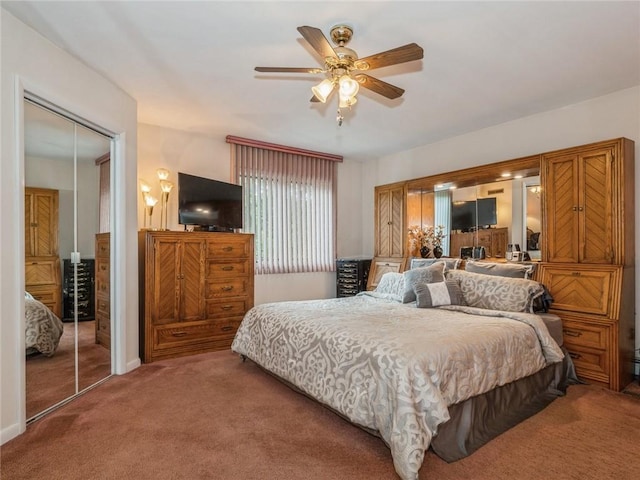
(473, 214)
(210, 204)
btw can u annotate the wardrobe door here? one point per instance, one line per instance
(62, 356)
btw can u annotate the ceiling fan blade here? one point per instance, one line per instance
(406, 53)
(376, 85)
(318, 41)
(288, 70)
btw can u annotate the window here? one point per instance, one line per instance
(289, 204)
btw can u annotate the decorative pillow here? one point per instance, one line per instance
(497, 293)
(430, 295)
(513, 270)
(450, 263)
(431, 274)
(391, 284)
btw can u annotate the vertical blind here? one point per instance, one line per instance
(442, 200)
(289, 205)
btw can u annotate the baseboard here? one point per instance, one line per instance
(133, 364)
(9, 433)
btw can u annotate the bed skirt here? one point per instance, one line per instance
(481, 418)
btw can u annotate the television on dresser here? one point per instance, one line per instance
(209, 204)
(473, 214)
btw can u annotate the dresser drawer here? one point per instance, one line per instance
(585, 289)
(215, 268)
(42, 271)
(590, 363)
(173, 336)
(227, 308)
(232, 247)
(585, 334)
(103, 245)
(231, 287)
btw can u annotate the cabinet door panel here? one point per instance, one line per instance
(562, 209)
(165, 281)
(397, 223)
(596, 214)
(191, 281)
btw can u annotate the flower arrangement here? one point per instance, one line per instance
(428, 236)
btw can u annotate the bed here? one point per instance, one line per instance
(43, 328)
(407, 364)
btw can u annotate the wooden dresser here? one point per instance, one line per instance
(195, 288)
(494, 241)
(42, 263)
(103, 289)
(588, 255)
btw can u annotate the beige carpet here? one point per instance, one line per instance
(211, 416)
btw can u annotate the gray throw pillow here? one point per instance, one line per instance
(429, 295)
(449, 263)
(511, 270)
(431, 274)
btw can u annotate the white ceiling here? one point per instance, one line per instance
(190, 64)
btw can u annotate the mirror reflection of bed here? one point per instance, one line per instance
(66, 205)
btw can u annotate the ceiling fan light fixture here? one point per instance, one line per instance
(346, 101)
(323, 89)
(348, 86)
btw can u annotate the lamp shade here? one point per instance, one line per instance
(162, 173)
(348, 86)
(346, 101)
(323, 90)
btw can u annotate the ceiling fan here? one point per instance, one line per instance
(345, 70)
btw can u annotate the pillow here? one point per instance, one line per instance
(513, 270)
(392, 285)
(430, 295)
(450, 263)
(497, 293)
(431, 274)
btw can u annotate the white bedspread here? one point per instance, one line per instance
(393, 367)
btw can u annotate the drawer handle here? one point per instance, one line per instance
(227, 288)
(572, 333)
(575, 356)
(103, 267)
(227, 328)
(226, 307)
(576, 274)
(228, 268)
(179, 333)
(228, 248)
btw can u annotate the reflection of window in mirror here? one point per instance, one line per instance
(532, 214)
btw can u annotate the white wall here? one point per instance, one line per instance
(610, 116)
(30, 62)
(204, 156)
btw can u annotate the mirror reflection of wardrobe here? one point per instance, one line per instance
(67, 270)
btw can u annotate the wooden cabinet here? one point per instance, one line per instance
(41, 222)
(103, 289)
(389, 227)
(580, 204)
(42, 265)
(195, 289)
(494, 241)
(588, 255)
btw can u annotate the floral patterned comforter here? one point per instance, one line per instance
(393, 367)
(43, 328)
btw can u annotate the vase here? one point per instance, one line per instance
(424, 252)
(437, 252)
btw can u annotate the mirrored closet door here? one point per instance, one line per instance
(67, 267)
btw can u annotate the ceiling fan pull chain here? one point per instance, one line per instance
(339, 118)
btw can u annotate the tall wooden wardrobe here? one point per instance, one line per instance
(42, 262)
(588, 255)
